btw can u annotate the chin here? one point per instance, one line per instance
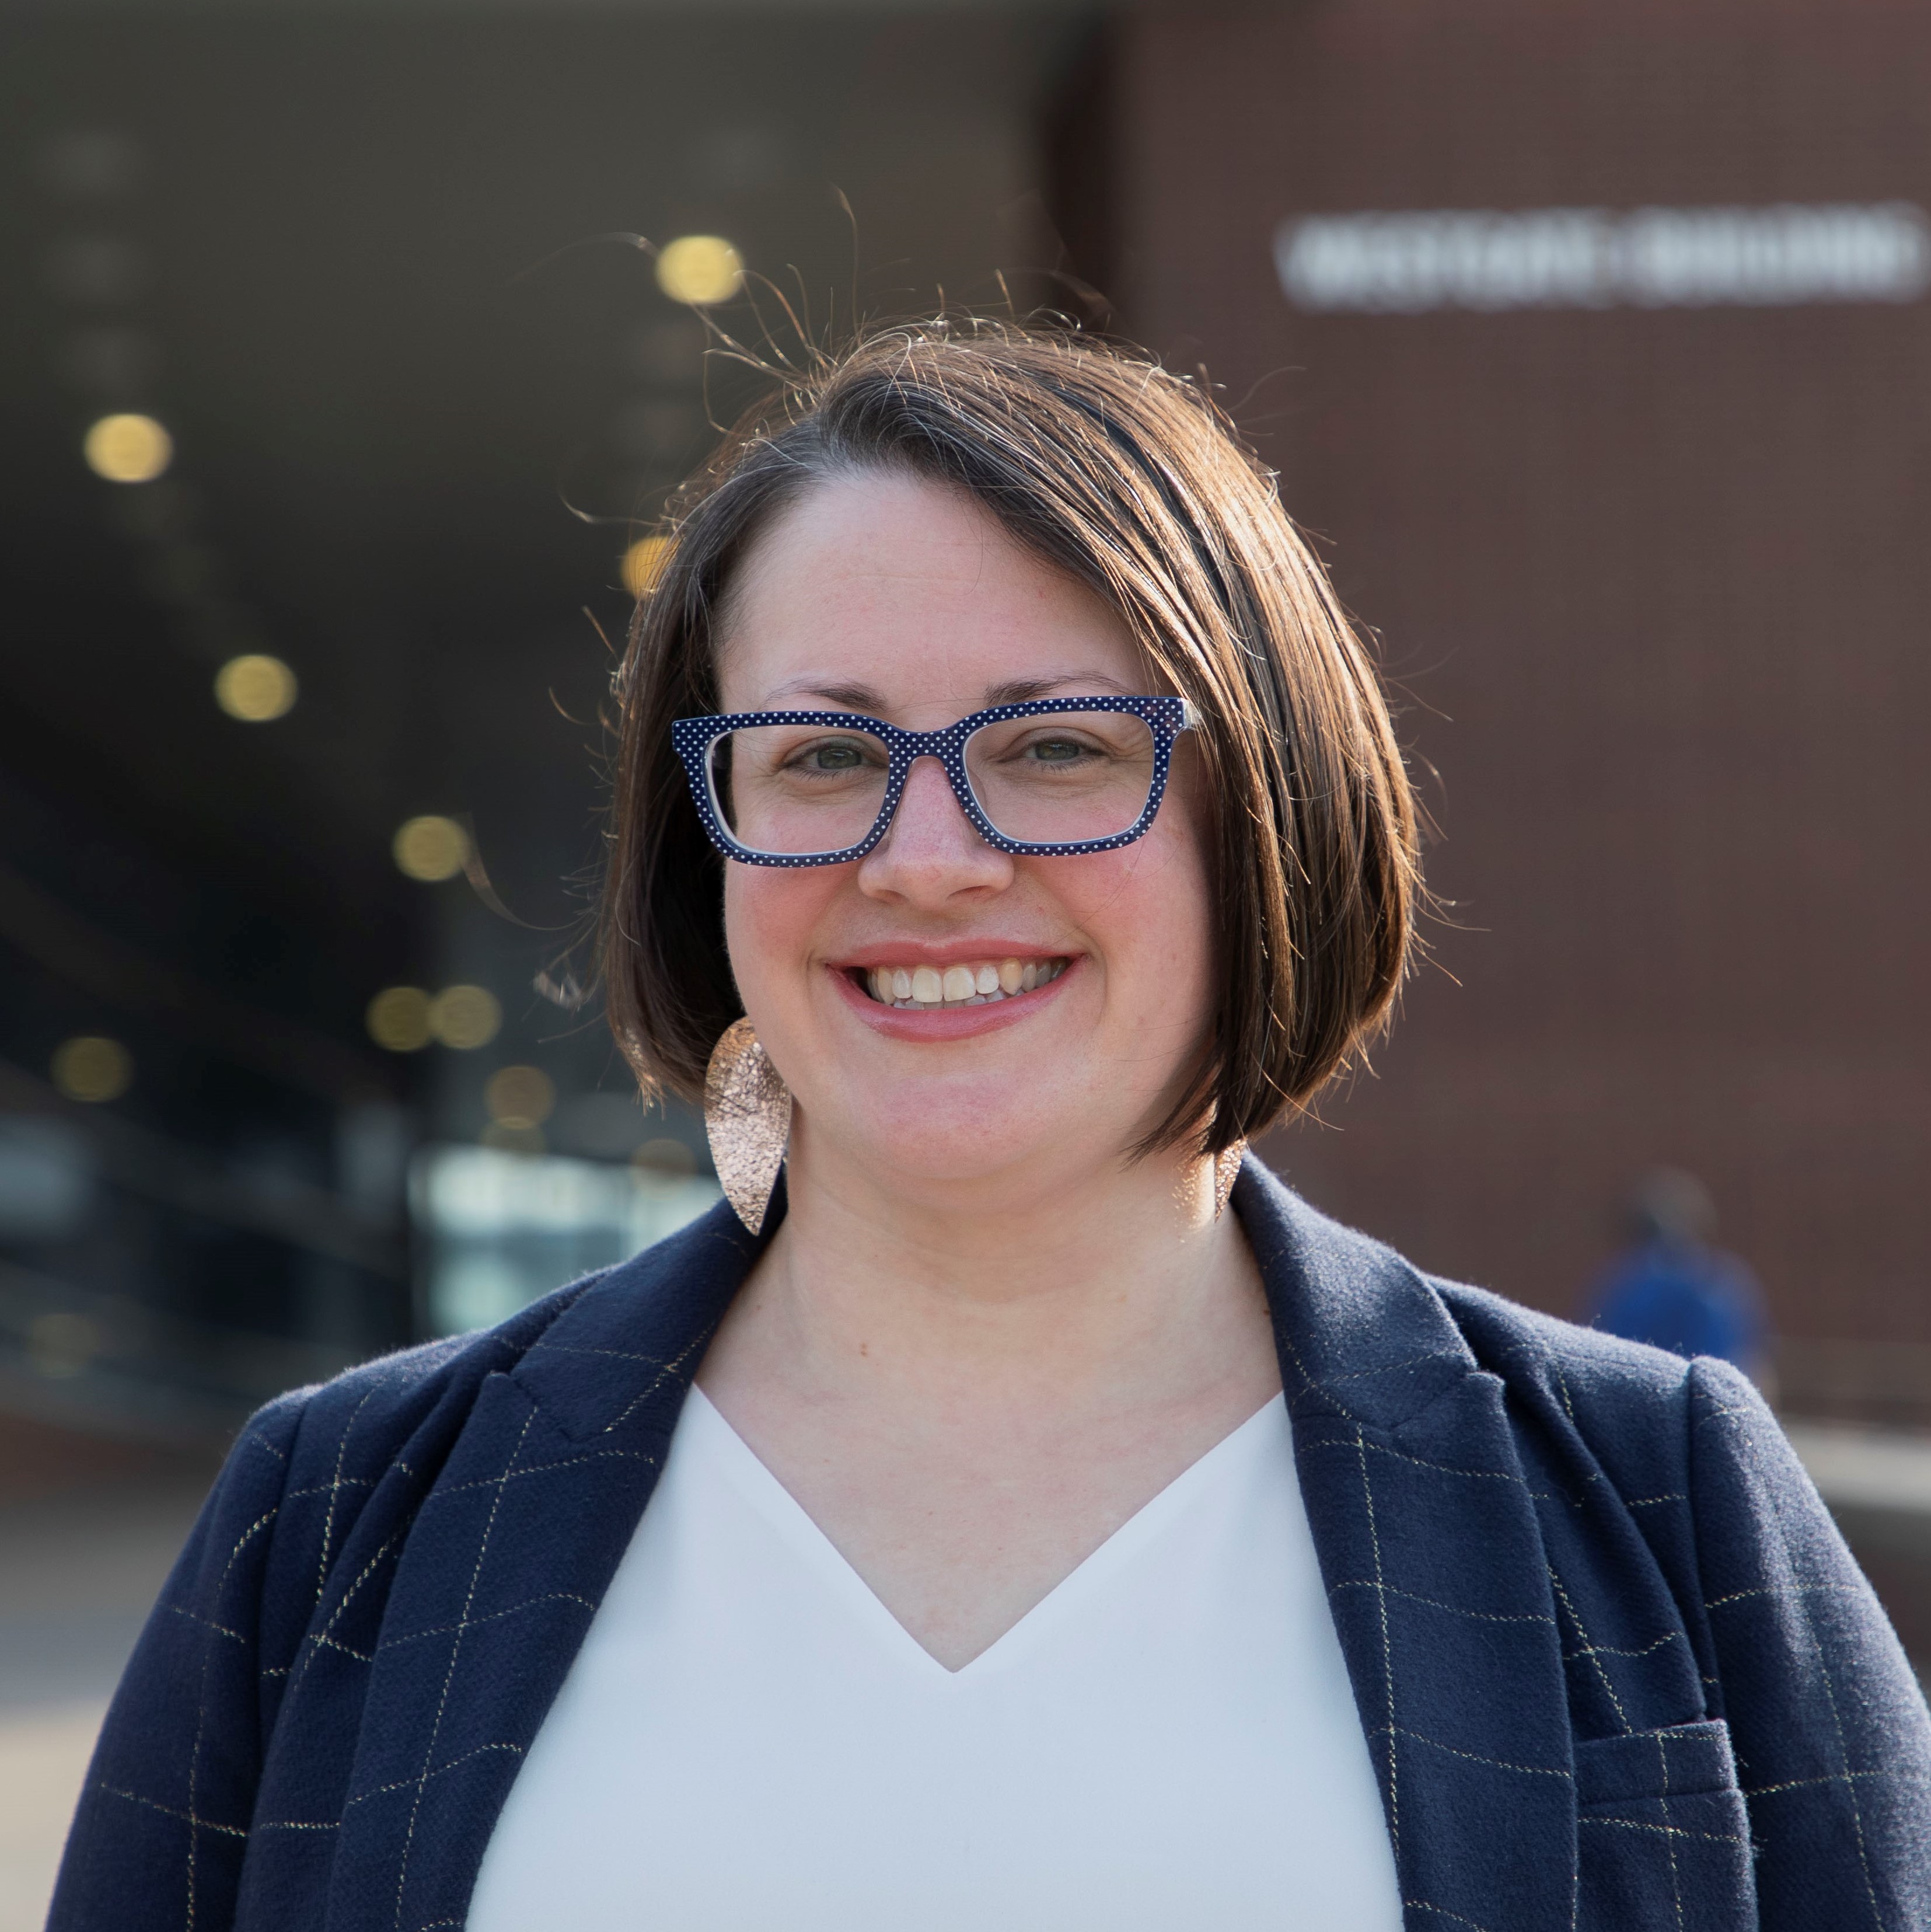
(954, 1139)
(934, 1174)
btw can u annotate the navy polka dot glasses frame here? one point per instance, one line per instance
(694, 737)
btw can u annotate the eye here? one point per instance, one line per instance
(831, 755)
(1058, 751)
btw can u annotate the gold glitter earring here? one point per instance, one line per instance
(748, 1118)
(1226, 1172)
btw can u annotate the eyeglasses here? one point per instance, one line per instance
(1057, 776)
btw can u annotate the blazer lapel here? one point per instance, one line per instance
(1421, 1519)
(1428, 1542)
(506, 1561)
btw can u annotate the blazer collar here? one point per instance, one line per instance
(627, 1349)
(1437, 1578)
(1359, 1333)
(1422, 1522)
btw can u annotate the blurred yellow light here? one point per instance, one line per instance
(398, 1019)
(664, 1157)
(255, 687)
(128, 448)
(519, 1096)
(643, 564)
(699, 269)
(465, 1017)
(91, 1069)
(430, 847)
(60, 1344)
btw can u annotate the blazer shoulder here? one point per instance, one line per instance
(380, 1405)
(386, 1427)
(308, 1466)
(1581, 1366)
(1602, 1406)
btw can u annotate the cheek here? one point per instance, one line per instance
(771, 913)
(1148, 910)
(1189, 928)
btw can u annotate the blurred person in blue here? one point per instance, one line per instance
(1673, 1288)
(1012, 1509)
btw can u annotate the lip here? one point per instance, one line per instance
(949, 1023)
(952, 952)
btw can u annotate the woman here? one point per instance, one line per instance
(1038, 1537)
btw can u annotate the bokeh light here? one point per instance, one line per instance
(519, 1096)
(128, 448)
(465, 1017)
(90, 163)
(398, 1019)
(663, 1157)
(699, 269)
(430, 847)
(92, 1068)
(61, 1343)
(643, 564)
(256, 688)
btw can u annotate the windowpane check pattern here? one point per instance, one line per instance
(1053, 776)
(1614, 1666)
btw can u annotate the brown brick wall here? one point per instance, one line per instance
(1655, 585)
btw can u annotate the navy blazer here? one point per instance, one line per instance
(1615, 1667)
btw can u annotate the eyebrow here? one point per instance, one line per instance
(1014, 690)
(848, 697)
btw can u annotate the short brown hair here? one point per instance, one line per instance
(1129, 479)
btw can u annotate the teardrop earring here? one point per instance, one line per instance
(747, 1119)
(1226, 1172)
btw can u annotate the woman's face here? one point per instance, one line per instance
(897, 597)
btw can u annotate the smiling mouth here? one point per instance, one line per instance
(929, 989)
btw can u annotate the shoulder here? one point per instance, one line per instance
(321, 1456)
(388, 1400)
(360, 1450)
(1363, 1330)
(1362, 1327)
(1660, 1427)
(378, 1405)
(1576, 1365)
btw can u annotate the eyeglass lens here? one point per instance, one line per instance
(1055, 778)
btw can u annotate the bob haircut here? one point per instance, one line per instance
(1130, 481)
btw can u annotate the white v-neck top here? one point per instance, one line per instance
(748, 1742)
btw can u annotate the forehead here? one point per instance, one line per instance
(889, 593)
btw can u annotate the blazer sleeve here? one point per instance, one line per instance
(1832, 1740)
(158, 1839)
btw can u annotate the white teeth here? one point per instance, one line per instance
(976, 986)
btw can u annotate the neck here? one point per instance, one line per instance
(1080, 1289)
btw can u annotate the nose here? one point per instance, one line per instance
(931, 853)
